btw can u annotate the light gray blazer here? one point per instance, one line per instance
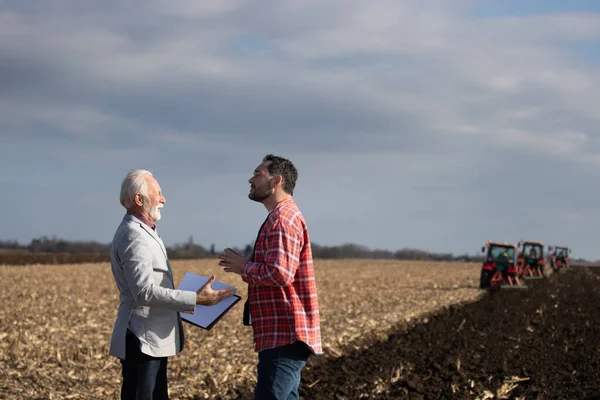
(149, 305)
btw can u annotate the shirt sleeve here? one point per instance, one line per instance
(283, 243)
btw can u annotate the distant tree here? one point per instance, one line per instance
(62, 246)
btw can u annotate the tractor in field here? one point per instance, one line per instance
(499, 269)
(530, 259)
(559, 257)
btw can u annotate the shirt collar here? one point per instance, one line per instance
(281, 203)
(146, 221)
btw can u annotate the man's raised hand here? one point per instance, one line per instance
(232, 261)
(206, 296)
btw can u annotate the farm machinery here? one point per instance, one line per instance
(559, 257)
(499, 268)
(530, 259)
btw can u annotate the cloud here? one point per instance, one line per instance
(424, 68)
(405, 107)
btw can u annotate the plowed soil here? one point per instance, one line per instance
(391, 330)
(540, 343)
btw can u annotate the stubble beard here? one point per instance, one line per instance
(259, 197)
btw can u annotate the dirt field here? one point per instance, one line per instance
(390, 330)
(55, 324)
(536, 344)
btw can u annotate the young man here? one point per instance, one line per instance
(282, 304)
(148, 326)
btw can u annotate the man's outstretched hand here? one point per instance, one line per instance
(232, 261)
(206, 296)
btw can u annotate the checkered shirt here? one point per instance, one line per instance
(282, 292)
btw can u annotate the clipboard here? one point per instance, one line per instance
(206, 317)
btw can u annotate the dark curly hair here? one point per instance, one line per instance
(285, 168)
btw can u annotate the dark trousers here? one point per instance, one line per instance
(144, 376)
(279, 371)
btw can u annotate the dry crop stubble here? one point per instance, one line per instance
(56, 321)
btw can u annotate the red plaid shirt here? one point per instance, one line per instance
(282, 293)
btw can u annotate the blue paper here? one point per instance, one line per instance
(204, 316)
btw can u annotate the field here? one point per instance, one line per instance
(390, 330)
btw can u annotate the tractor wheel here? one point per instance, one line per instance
(484, 280)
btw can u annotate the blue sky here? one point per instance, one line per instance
(529, 8)
(432, 125)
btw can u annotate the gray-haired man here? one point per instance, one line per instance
(148, 326)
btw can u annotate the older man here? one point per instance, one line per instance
(148, 326)
(282, 302)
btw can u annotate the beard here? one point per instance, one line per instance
(153, 211)
(259, 196)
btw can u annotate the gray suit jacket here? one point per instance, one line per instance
(149, 305)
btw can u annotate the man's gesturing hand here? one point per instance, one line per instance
(206, 296)
(232, 261)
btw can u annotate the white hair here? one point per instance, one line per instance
(133, 184)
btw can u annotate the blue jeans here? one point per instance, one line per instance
(144, 376)
(279, 371)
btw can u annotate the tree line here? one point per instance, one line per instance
(191, 250)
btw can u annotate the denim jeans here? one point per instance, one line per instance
(279, 371)
(144, 376)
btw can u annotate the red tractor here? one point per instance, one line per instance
(559, 257)
(499, 269)
(530, 259)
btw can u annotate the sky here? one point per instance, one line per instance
(434, 125)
